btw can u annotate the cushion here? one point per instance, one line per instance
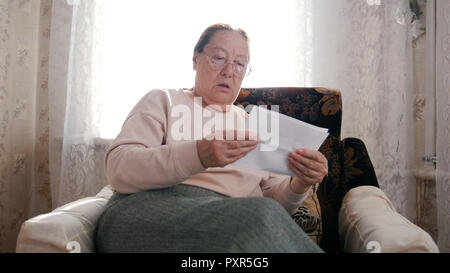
(308, 217)
(368, 222)
(69, 228)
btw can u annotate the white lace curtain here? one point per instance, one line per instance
(442, 113)
(76, 95)
(51, 140)
(364, 49)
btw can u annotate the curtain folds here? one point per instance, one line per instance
(75, 89)
(443, 123)
(365, 50)
(24, 124)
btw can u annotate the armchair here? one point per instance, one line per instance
(349, 164)
(348, 160)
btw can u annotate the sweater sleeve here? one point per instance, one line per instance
(277, 187)
(139, 159)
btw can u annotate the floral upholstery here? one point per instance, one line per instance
(348, 161)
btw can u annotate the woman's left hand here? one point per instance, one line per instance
(310, 166)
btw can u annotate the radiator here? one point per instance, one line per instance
(426, 206)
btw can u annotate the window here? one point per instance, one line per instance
(149, 44)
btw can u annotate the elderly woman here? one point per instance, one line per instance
(182, 195)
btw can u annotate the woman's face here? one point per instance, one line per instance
(219, 84)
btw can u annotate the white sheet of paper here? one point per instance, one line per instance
(293, 134)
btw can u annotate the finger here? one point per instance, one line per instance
(310, 173)
(312, 154)
(238, 135)
(319, 163)
(236, 157)
(303, 177)
(321, 168)
(308, 153)
(237, 144)
(309, 163)
(239, 151)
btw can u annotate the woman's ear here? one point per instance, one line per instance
(195, 61)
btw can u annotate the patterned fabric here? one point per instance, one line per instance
(309, 217)
(348, 161)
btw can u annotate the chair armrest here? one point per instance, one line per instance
(368, 222)
(73, 222)
(357, 166)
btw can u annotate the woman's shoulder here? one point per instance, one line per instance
(171, 96)
(161, 99)
(164, 94)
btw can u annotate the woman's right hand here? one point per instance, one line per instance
(219, 152)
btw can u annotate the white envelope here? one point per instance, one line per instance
(281, 135)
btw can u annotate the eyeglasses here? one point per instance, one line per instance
(240, 69)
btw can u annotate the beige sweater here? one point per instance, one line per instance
(147, 155)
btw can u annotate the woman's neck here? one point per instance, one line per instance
(217, 107)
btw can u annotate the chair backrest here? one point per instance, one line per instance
(318, 106)
(321, 107)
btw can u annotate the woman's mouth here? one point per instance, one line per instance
(224, 85)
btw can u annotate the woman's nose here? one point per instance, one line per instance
(227, 70)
